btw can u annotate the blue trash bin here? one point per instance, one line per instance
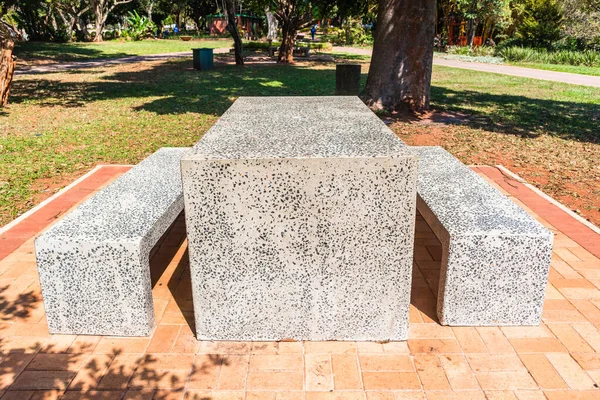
(203, 59)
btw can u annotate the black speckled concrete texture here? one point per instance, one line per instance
(94, 263)
(300, 215)
(496, 257)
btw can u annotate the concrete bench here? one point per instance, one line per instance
(94, 263)
(495, 257)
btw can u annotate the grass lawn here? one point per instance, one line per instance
(574, 69)
(58, 126)
(44, 52)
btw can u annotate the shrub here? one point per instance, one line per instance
(588, 58)
(541, 23)
(477, 51)
(255, 45)
(139, 27)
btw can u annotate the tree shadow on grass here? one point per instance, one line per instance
(61, 52)
(520, 115)
(173, 87)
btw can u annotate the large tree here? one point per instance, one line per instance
(7, 60)
(400, 71)
(229, 8)
(102, 9)
(71, 12)
(293, 15)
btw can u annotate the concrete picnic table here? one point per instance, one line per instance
(300, 214)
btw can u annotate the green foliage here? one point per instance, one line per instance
(476, 51)
(255, 45)
(541, 23)
(353, 32)
(139, 27)
(588, 58)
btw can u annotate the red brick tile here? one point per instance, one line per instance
(12, 365)
(205, 373)
(275, 380)
(434, 346)
(572, 395)
(386, 362)
(494, 340)
(537, 345)
(201, 395)
(163, 339)
(570, 338)
(230, 348)
(111, 345)
(469, 340)
(234, 369)
(275, 362)
(40, 380)
(91, 372)
(119, 372)
(391, 381)
(430, 331)
(93, 395)
(542, 371)
(495, 362)
(318, 373)
(57, 362)
(18, 395)
(505, 380)
(570, 371)
(159, 379)
(458, 371)
(430, 372)
(335, 396)
(346, 375)
(588, 361)
(47, 395)
(590, 334)
(330, 347)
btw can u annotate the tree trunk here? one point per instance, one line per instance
(400, 71)
(286, 50)
(7, 68)
(149, 10)
(100, 18)
(232, 29)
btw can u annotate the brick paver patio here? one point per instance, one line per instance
(558, 360)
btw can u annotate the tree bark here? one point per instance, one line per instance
(7, 68)
(400, 71)
(286, 50)
(232, 29)
(101, 10)
(100, 19)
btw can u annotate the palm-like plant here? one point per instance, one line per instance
(139, 27)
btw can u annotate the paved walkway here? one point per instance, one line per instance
(565, 77)
(60, 67)
(575, 79)
(558, 360)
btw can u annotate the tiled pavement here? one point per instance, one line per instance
(558, 360)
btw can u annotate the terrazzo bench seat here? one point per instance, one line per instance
(94, 263)
(495, 256)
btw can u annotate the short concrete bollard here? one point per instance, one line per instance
(347, 79)
(203, 59)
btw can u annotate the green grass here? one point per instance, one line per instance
(55, 52)
(574, 69)
(57, 126)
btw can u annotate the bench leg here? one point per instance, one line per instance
(96, 289)
(490, 280)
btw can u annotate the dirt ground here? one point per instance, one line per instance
(573, 177)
